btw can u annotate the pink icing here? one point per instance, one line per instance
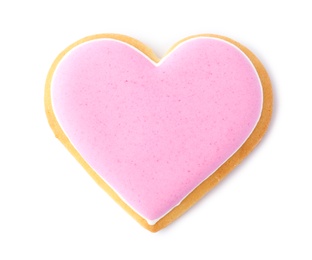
(154, 132)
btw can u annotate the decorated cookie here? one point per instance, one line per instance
(158, 134)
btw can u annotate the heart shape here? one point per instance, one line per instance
(158, 134)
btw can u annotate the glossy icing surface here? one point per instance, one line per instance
(152, 131)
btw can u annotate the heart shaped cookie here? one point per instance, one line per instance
(157, 134)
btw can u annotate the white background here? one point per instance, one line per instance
(49, 206)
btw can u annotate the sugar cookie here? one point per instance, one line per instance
(158, 134)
